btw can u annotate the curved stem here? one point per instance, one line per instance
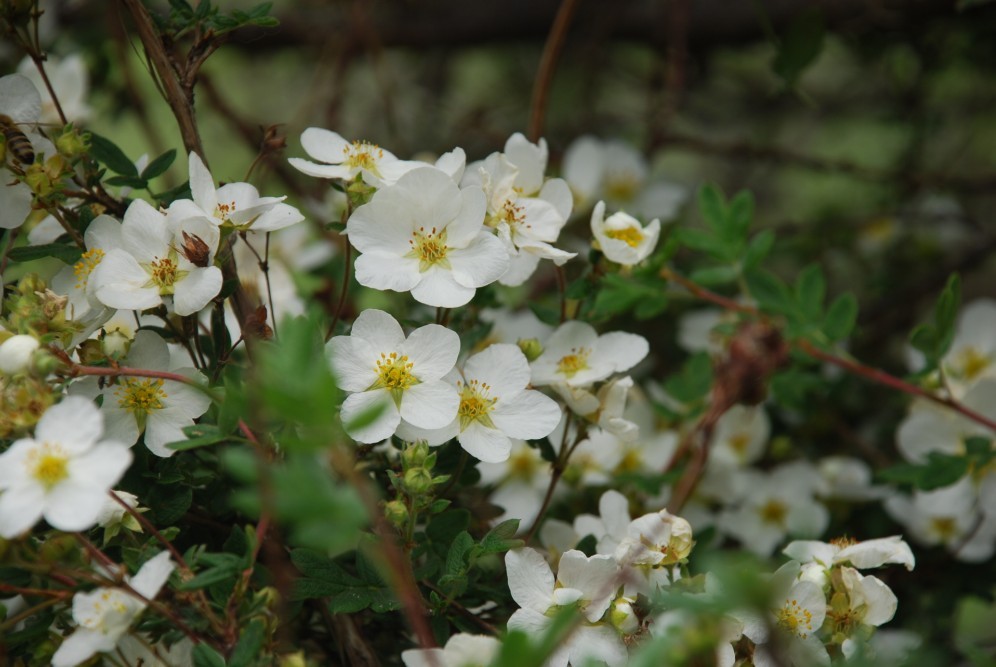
(343, 289)
(548, 62)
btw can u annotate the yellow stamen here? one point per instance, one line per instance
(87, 262)
(631, 236)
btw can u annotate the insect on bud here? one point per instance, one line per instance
(196, 250)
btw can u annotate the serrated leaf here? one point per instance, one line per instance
(693, 381)
(771, 293)
(159, 166)
(714, 276)
(740, 214)
(810, 290)
(758, 248)
(250, 644)
(712, 205)
(456, 563)
(68, 254)
(107, 153)
(501, 538)
(316, 565)
(841, 317)
(205, 656)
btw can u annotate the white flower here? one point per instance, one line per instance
(461, 650)
(614, 171)
(586, 583)
(160, 258)
(19, 101)
(156, 407)
(63, 473)
(425, 235)
(972, 355)
(848, 478)
(932, 428)
(16, 353)
(777, 503)
(102, 235)
(69, 79)
(605, 409)
(949, 516)
(862, 555)
(495, 406)
(522, 481)
(799, 611)
(235, 205)
(622, 238)
(577, 356)
(105, 614)
(612, 524)
(379, 366)
(740, 436)
(658, 538)
(526, 214)
(346, 160)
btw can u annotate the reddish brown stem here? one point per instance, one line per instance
(548, 62)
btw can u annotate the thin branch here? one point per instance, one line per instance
(547, 65)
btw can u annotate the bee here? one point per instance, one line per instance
(17, 142)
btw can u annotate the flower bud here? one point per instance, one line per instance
(623, 617)
(71, 144)
(16, 353)
(397, 513)
(414, 455)
(418, 481)
(293, 660)
(57, 549)
(531, 347)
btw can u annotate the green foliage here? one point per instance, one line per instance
(940, 469)
(933, 338)
(347, 593)
(67, 254)
(802, 305)
(799, 46)
(619, 294)
(975, 630)
(184, 17)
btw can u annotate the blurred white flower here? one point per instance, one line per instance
(622, 238)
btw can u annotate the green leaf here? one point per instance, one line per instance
(770, 292)
(158, 166)
(758, 248)
(841, 317)
(714, 276)
(443, 528)
(456, 562)
(694, 380)
(939, 471)
(810, 290)
(199, 435)
(501, 538)
(250, 644)
(740, 214)
(712, 205)
(205, 656)
(136, 182)
(946, 313)
(799, 46)
(68, 254)
(107, 152)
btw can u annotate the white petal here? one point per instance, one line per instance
(382, 427)
(379, 329)
(487, 444)
(530, 579)
(433, 351)
(78, 647)
(72, 505)
(468, 223)
(20, 509)
(438, 288)
(196, 290)
(75, 423)
(527, 416)
(430, 405)
(202, 184)
(501, 366)
(353, 362)
(145, 232)
(381, 271)
(152, 575)
(324, 145)
(481, 263)
(278, 217)
(121, 283)
(321, 170)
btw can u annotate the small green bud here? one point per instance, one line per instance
(359, 193)
(71, 144)
(397, 513)
(293, 660)
(56, 549)
(115, 344)
(414, 455)
(418, 481)
(531, 347)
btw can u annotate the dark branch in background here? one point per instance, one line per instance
(548, 64)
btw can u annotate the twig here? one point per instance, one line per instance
(548, 62)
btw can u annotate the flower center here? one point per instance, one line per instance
(795, 618)
(475, 404)
(570, 364)
(972, 363)
(774, 511)
(621, 187)
(522, 465)
(394, 373)
(429, 247)
(363, 155)
(164, 273)
(631, 236)
(50, 465)
(739, 442)
(222, 210)
(88, 261)
(140, 397)
(843, 542)
(944, 527)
